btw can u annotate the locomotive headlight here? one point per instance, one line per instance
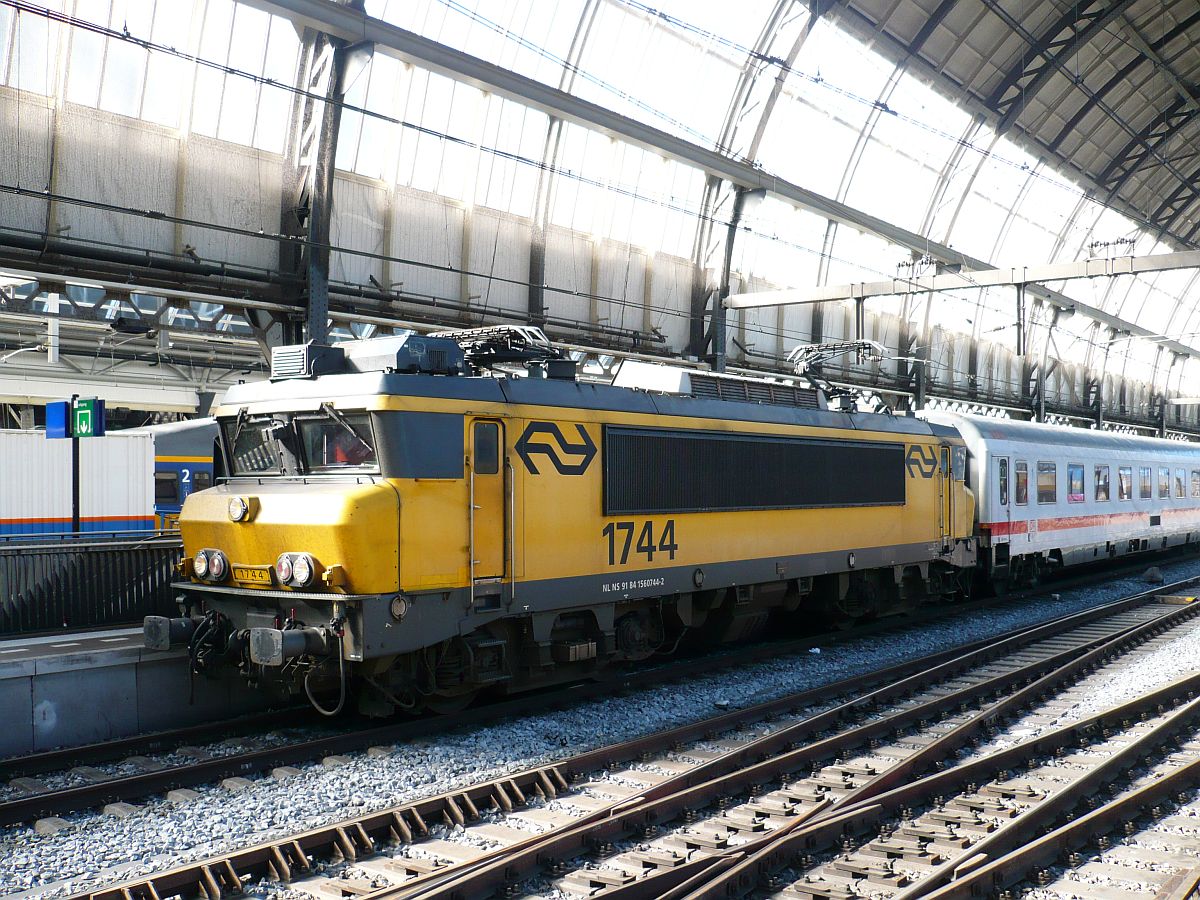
(238, 509)
(302, 569)
(218, 566)
(200, 564)
(283, 569)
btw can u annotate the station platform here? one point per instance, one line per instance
(72, 689)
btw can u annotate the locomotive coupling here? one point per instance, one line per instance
(273, 646)
(162, 633)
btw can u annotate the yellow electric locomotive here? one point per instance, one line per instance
(412, 519)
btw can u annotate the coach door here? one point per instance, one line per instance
(486, 466)
(1003, 485)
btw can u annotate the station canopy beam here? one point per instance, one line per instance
(1019, 276)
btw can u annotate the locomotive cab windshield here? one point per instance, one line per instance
(301, 444)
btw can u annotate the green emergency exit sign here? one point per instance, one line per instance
(87, 418)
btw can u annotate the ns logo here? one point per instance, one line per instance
(545, 439)
(921, 461)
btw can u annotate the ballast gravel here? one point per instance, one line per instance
(98, 849)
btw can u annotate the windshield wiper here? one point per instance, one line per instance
(328, 409)
(237, 428)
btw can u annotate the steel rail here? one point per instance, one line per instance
(130, 787)
(651, 808)
(63, 758)
(756, 866)
(353, 838)
(770, 855)
(987, 876)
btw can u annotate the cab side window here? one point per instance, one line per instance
(487, 448)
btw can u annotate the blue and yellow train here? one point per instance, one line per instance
(183, 464)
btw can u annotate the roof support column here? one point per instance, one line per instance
(328, 67)
(742, 198)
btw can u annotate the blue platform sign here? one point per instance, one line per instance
(58, 419)
(75, 418)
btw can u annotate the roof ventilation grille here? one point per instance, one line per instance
(305, 361)
(749, 391)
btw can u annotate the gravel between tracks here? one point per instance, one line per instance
(98, 849)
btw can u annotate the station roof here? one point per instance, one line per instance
(1105, 89)
(893, 135)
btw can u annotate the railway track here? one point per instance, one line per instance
(59, 782)
(148, 764)
(1131, 843)
(591, 823)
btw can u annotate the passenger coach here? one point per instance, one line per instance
(1051, 496)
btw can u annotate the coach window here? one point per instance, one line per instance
(1196, 482)
(166, 487)
(1047, 482)
(1164, 483)
(1125, 483)
(1102, 485)
(1075, 485)
(1022, 475)
(1180, 484)
(1003, 482)
(1145, 484)
(201, 481)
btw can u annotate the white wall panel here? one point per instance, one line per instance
(621, 276)
(568, 267)
(359, 216)
(236, 186)
(427, 228)
(671, 299)
(26, 126)
(796, 325)
(756, 328)
(499, 249)
(117, 160)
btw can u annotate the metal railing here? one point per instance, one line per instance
(86, 581)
